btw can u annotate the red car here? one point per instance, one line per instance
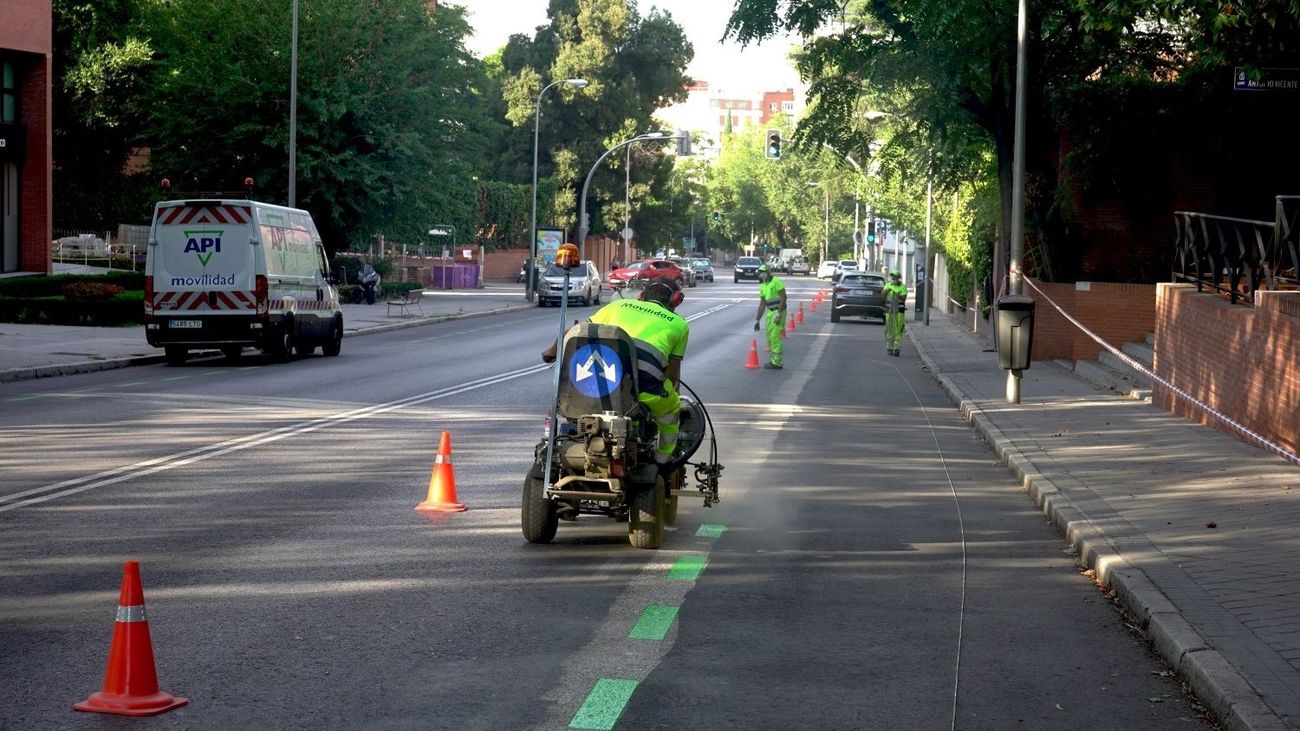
(647, 269)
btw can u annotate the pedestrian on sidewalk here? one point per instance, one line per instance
(771, 300)
(895, 311)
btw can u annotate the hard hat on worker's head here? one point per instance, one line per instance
(762, 268)
(895, 273)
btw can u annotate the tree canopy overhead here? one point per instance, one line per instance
(945, 72)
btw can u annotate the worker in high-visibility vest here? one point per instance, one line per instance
(895, 302)
(771, 300)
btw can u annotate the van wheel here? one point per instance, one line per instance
(176, 355)
(232, 352)
(304, 350)
(586, 299)
(334, 344)
(597, 300)
(281, 348)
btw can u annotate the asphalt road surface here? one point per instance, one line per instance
(870, 564)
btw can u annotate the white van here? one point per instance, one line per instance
(229, 274)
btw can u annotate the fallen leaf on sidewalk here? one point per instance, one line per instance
(1211, 524)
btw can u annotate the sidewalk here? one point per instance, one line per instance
(37, 351)
(1193, 530)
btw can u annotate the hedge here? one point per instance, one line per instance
(52, 286)
(126, 308)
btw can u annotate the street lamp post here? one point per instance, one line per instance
(293, 109)
(532, 230)
(583, 226)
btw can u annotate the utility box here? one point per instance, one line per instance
(1015, 331)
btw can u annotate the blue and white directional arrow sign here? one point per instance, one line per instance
(595, 370)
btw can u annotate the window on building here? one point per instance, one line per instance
(8, 94)
(787, 106)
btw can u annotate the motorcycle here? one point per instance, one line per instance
(601, 456)
(367, 288)
(523, 272)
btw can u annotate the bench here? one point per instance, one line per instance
(411, 298)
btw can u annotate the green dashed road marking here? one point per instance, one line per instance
(604, 704)
(249, 368)
(710, 530)
(176, 378)
(688, 567)
(211, 373)
(654, 622)
(132, 383)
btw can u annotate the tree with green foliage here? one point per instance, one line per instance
(634, 66)
(389, 121)
(946, 70)
(99, 68)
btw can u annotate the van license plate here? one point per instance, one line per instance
(186, 324)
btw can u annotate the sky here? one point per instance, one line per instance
(726, 67)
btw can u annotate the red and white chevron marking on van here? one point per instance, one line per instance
(200, 302)
(303, 304)
(181, 215)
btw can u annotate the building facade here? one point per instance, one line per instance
(26, 153)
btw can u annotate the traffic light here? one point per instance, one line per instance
(716, 217)
(871, 231)
(773, 148)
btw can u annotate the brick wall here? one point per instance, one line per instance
(1238, 360)
(1117, 313)
(36, 187)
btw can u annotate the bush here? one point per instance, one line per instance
(124, 308)
(52, 286)
(92, 291)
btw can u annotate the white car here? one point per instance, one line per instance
(826, 269)
(844, 265)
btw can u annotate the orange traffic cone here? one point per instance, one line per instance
(790, 326)
(753, 355)
(813, 305)
(442, 485)
(130, 681)
(800, 318)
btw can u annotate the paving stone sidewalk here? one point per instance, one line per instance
(1193, 529)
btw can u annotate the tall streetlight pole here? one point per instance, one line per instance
(532, 231)
(293, 109)
(1015, 285)
(583, 226)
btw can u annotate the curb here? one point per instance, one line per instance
(68, 369)
(1209, 674)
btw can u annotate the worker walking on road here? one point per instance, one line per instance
(771, 300)
(895, 311)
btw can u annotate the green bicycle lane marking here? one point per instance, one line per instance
(609, 697)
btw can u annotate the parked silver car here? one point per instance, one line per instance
(584, 285)
(703, 268)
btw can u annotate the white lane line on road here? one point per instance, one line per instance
(46, 493)
(199, 454)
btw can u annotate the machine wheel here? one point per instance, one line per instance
(645, 526)
(537, 515)
(835, 316)
(334, 344)
(176, 355)
(232, 352)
